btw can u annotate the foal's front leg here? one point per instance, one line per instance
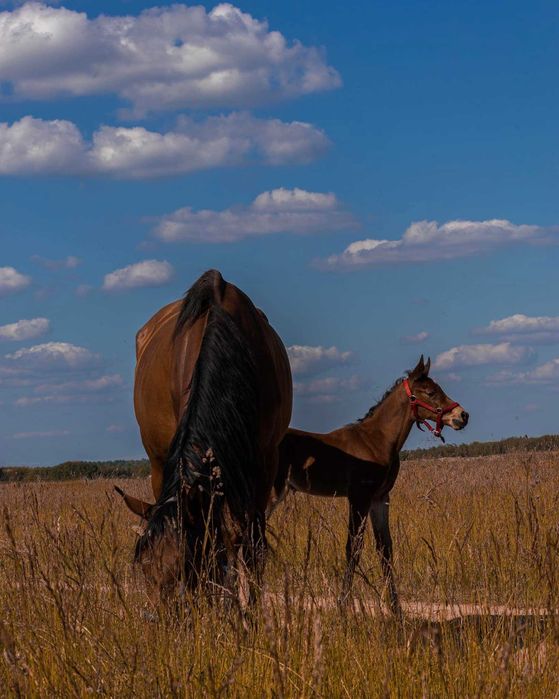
(355, 539)
(381, 530)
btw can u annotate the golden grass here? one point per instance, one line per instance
(480, 532)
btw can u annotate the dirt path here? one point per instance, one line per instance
(429, 611)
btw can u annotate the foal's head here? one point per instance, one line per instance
(432, 401)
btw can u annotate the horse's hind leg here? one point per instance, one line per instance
(383, 540)
(354, 546)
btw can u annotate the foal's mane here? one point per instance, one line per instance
(374, 407)
(385, 395)
(221, 415)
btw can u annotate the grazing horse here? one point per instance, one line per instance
(361, 462)
(212, 397)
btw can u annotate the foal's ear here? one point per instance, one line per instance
(419, 369)
(427, 366)
(135, 505)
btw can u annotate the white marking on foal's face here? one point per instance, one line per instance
(456, 418)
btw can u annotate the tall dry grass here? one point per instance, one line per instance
(466, 531)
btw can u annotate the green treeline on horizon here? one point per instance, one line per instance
(140, 468)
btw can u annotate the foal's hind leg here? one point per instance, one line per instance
(358, 510)
(381, 530)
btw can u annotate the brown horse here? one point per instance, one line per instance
(361, 462)
(212, 397)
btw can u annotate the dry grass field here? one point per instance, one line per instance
(477, 561)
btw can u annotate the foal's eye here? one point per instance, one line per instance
(430, 393)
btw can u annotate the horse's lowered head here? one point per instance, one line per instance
(175, 542)
(158, 548)
(428, 401)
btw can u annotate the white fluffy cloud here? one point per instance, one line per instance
(277, 211)
(548, 372)
(477, 355)
(171, 57)
(520, 328)
(24, 329)
(146, 273)
(415, 339)
(11, 280)
(58, 373)
(75, 391)
(427, 241)
(51, 356)
(33, 146)
(305, 359)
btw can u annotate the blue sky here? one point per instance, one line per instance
(381, 179)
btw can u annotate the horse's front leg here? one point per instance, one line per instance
(381, 530)
(355, 538)
(254, 555)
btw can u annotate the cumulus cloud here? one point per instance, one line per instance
(76, 391)
(58, 373)
(146, 273)
(33, 146)
(24, 329)
(51, 356)
(427, 241)
(277, 211)
(544, 373)
(520, 328)
(415, 339)
(477, 355)
(305, 359)
(11, 280)
(171, 57)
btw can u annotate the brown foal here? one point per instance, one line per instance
(361, 462)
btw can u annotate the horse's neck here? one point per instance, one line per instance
(391, 420)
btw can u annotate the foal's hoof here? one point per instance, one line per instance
(344, 602)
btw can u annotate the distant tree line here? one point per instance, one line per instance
(76, 470)
(140, 468)
(548, 442)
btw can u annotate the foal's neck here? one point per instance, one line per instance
(390, 423)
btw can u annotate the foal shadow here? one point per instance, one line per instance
(518, 637)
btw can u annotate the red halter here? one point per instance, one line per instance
(415, 404)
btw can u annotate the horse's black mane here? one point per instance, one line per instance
(221, 416)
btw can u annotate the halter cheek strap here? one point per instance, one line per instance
(416, 403)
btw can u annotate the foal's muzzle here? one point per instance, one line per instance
(461, 420)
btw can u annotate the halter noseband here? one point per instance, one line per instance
(416, 403)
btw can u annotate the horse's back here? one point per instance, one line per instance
(166, 356)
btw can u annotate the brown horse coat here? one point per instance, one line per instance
(197, 360)
(361, 462)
